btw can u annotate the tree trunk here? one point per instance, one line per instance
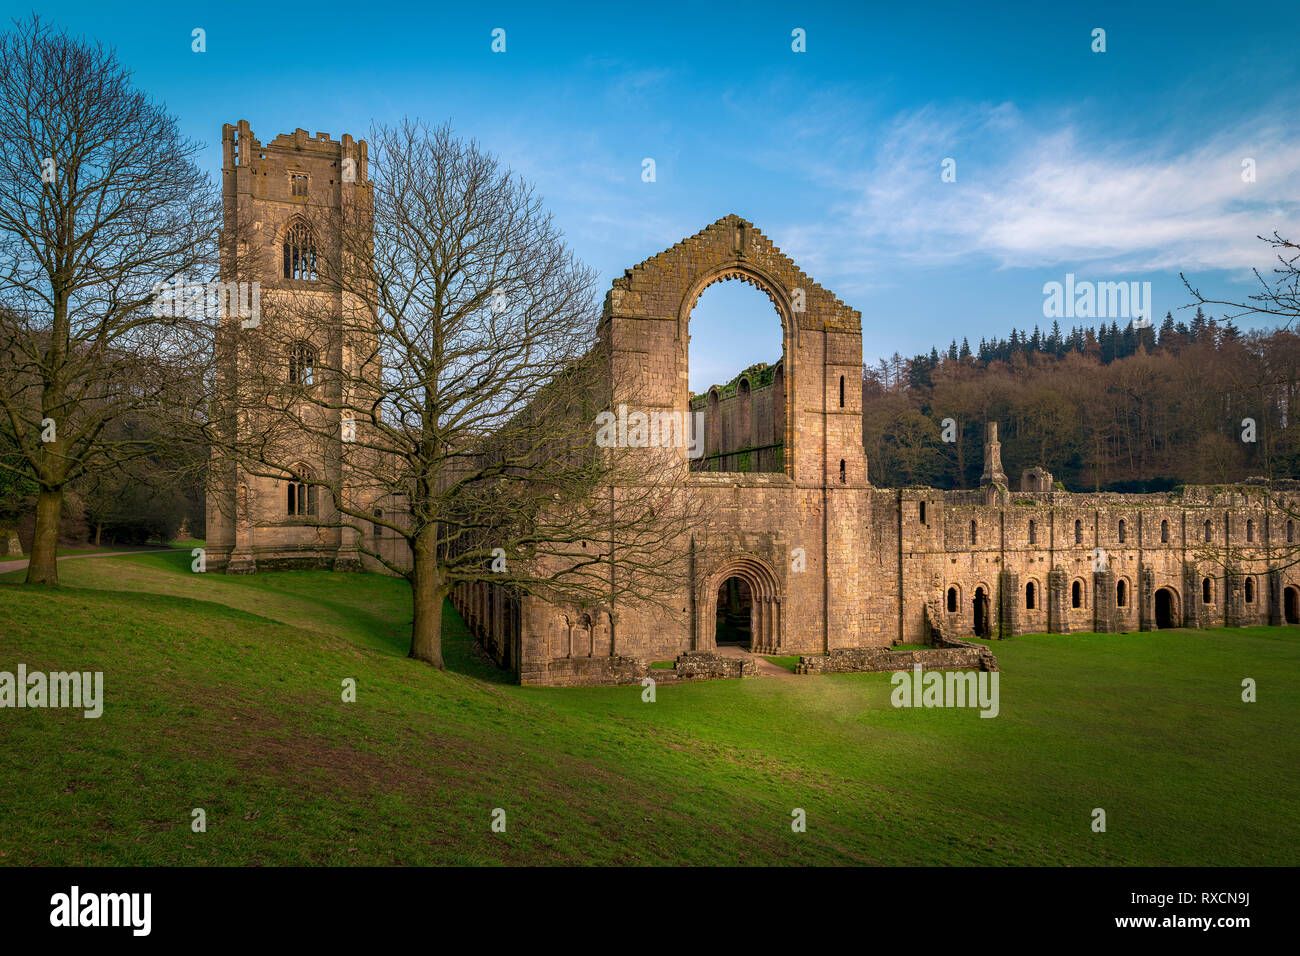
(427, 595)
(43, 568)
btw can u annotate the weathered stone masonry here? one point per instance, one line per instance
(883, 566)
(834, 570)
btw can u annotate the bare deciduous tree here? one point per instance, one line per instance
(100, 202)
(452, 405)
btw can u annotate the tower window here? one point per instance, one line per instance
(1250, 590)
(841, 391)
(1207, 591)
(302, 364)
(922, 512)
(298, 184)
(1121, 593)
(1290, 532)
(1078, 532)
(973, 529)
(843, 472)
(1029, 596)
(1123, 531)
(1164, 532)
(1250, 530)
(952, 600)
(299, 253)
(1209, 530)
(1033, 534)
(302, 494)
(1076, 594)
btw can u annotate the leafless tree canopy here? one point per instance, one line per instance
(463, 379)
(100, 202)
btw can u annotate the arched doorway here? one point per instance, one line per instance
(1291, 605)
(980, 606)
(735, 617)
(739, 606)
(1166, 608)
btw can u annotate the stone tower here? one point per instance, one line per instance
(277, 198)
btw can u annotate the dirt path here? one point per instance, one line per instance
(765, 667)
(21, 563)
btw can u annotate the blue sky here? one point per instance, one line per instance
(1115, 166)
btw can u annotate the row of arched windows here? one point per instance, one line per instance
(1078, 594)
(1123, 530)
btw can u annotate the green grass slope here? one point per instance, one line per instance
(224, 693)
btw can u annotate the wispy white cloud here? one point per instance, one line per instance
(1032, 195)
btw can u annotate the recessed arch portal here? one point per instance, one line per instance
(980, 612)
(1167, 608)
(753, 584)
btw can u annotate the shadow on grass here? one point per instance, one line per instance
(367, 610)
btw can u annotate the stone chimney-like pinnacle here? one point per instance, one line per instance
(993, 458)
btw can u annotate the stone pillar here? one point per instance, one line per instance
(1009, 598)
(1058, 601)
(241, 556)
(1146, 598)
(1276, 612)
(1234, 596)
(1104, 611)
(1192, 606)
(993, 458)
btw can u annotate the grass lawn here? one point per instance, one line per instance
(224, 693)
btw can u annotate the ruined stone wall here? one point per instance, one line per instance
(1088, 573)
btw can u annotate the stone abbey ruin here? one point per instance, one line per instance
(799, 554)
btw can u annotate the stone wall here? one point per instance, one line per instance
(837, 571)
(953, 655)
(588, 671)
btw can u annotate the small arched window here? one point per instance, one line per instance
(302, 364)
(1250, 590)
(1029, 596)
(1033, 532)
(1207, 591)
(1290, 532)
(841, 391)
(1076, 594)
(1123, 531)
(302, 494)
(299, 253)
(1078, 532)
(844, 475)
(1209, 530)
(922, 512)
(1164, 532)
(973, 531)
(1250, 530)
(952, 600)
(1121, 593)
